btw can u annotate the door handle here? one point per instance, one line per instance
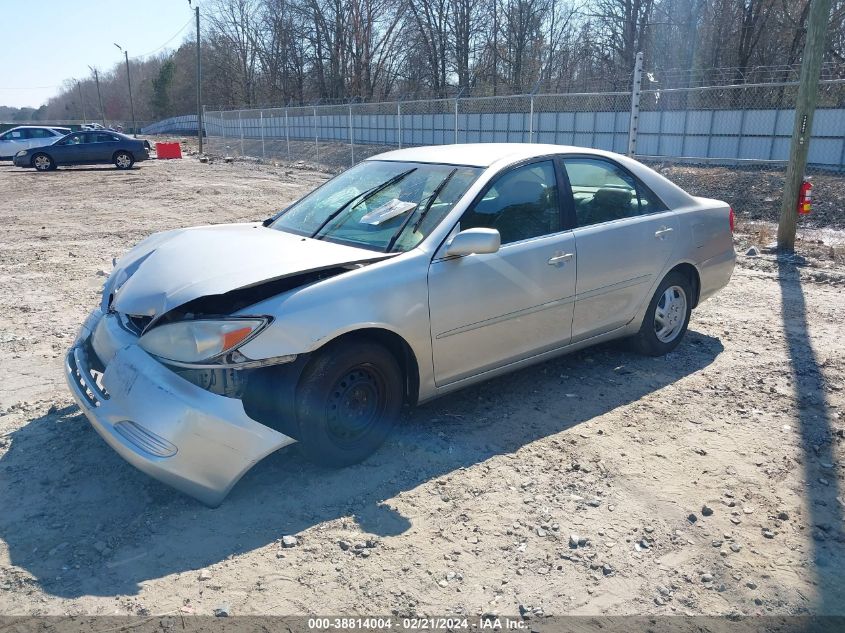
(559, 259)
(659, 233)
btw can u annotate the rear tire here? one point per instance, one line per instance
(123, 160)
(347, 402)
(666, 318)
(43, 162)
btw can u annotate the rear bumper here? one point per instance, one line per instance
(715, 273)
(167, 427)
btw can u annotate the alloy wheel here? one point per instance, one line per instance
(123, 161)
(670, 314)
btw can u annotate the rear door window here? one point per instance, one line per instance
(603, 192)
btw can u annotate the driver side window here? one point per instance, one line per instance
(74, 139)
(521, 204)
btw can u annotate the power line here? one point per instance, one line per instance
(29, 87)
(135, 57)
(177, 34)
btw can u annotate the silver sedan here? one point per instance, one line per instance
(412, 274)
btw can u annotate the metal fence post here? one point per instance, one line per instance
(351, 137)
(456, 120)
(287, 132)
(399, 121)
(316, 137)
(531, 119)
(241, 127)
(636, 89)
(261, 114)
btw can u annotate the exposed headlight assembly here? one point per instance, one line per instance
(21, 153)
(199, 340)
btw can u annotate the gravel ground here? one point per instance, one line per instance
(706, 482)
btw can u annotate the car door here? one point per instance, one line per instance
(40, 136)
(69, 150)
(91, 150)
(488, 310)
(105, 147)
(624, 236)
(12, 142)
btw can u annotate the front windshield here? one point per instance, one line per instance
(380, 205)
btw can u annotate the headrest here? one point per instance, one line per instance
(613, 196)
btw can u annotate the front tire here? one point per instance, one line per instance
(123, 160)
(43, 162)
(667, 316)
(347, 402)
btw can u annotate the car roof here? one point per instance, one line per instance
(32, 127)
(482, 154)
(501, 154)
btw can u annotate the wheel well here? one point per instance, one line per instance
(270, 392)
(401, 351)
(691, 273)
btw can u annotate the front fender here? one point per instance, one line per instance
(390, 295)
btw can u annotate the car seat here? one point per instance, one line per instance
(607, 204)
(523, 211)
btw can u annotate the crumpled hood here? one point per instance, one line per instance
(169, 269)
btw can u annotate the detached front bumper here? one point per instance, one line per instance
(167, 427)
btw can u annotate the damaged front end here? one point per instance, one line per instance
(191, 438)
(157, 368)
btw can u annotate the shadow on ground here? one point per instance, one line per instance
(83, 522)
(61, 168)
(814, 419)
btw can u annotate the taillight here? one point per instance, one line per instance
(731, 218)
(805, 198)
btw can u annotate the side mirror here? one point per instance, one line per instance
(474, 241)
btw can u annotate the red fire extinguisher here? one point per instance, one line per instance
(805, 198)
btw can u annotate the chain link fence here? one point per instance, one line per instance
(727, 125)
(740, 124)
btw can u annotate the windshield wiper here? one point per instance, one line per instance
(364, 196)
(429, 202)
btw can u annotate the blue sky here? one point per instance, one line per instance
(46, 42)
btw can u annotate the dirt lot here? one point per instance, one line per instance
(706, 482)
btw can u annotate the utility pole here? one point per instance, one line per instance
(99, 96)
(634, 119)
(82, 101)
(805, 107)
(199, 81)
(129, 81)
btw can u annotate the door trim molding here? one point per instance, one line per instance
(506, 317)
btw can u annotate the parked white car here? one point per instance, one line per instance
(412, 274)
(27, 136)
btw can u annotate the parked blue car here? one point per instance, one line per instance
(86, 148)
